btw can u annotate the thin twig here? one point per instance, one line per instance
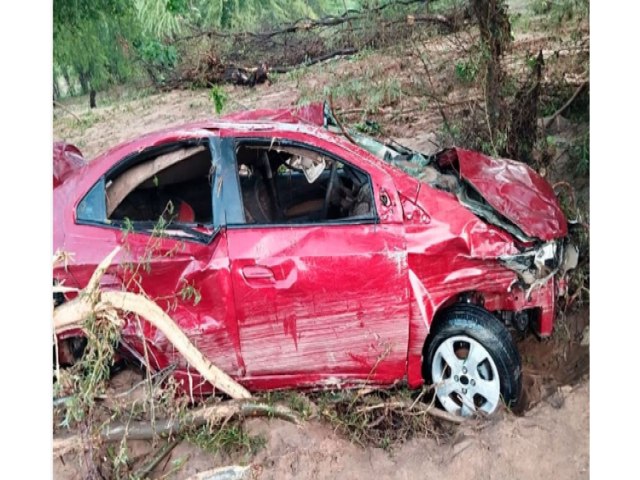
(146, 469)
(344, 131)
(549, 120)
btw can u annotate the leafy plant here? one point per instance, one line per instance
(466, 71)
(190, 292)
(218, 97)
(229, 437)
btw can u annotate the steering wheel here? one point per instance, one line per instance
(327, 197)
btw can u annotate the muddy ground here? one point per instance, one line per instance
(548, 436)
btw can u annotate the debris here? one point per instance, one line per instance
(143, 430)
(232, 472)
(420, 407)
(163, 451)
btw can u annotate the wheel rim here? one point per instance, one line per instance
(465, 377)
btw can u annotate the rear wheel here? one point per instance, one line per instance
(472, 361)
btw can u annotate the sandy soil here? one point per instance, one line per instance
(549, 441)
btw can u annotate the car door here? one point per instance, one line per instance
(319, 301)
(181, 263)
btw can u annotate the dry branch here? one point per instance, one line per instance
(93, 301)
(550, 120)
(306, 24)
(409, 406)
(141, 430)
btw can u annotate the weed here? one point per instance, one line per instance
(579, 153)
(559, 11)
(366, 419)
(190, 292)
(466, 71)
(218, 97)
(228, 438)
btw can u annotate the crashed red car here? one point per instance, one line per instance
(295, 256)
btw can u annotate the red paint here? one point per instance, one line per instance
(514, 190)
(316, 305)
(66, 159)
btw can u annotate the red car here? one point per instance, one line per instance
(295, 255)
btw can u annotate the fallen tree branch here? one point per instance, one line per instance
(313, 61)
(92, 301)
(305, 24)
(410, 405)
(142, 430)
(162, 452)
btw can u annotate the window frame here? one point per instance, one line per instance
(97, 206)
(374, 219)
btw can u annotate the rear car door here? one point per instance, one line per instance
(320, 287)
(160, 205)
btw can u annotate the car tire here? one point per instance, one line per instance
(473, 362)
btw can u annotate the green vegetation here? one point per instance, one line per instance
(99, 43)
(229, 438)
(218, 97)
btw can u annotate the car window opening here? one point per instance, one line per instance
(296, 185)
(174, 186)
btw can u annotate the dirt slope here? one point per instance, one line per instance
(549, 441)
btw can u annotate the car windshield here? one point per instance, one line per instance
(409, 160)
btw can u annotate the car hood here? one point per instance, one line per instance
(513, 189)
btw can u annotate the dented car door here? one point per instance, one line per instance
(319, 299)
(179, 261)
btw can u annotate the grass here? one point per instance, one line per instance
(229, 438)
(561, 11)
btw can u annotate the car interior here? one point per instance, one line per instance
(279, 184)
(174, 185)
(297, 185)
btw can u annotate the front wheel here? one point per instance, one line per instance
(472, 361)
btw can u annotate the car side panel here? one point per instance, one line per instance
(450, 251)
(336, 303)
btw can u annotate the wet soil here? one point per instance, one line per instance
(549, 364)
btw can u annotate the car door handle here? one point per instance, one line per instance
(255, 272)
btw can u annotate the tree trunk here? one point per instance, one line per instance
(84, 82)
(92, 99)
(495, 35)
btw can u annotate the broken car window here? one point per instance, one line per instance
(291, 184)
(173, 186)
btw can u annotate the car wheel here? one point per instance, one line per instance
(472, 361)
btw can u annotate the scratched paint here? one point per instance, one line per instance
(315, 306)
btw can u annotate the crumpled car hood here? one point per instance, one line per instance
(513, 189)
